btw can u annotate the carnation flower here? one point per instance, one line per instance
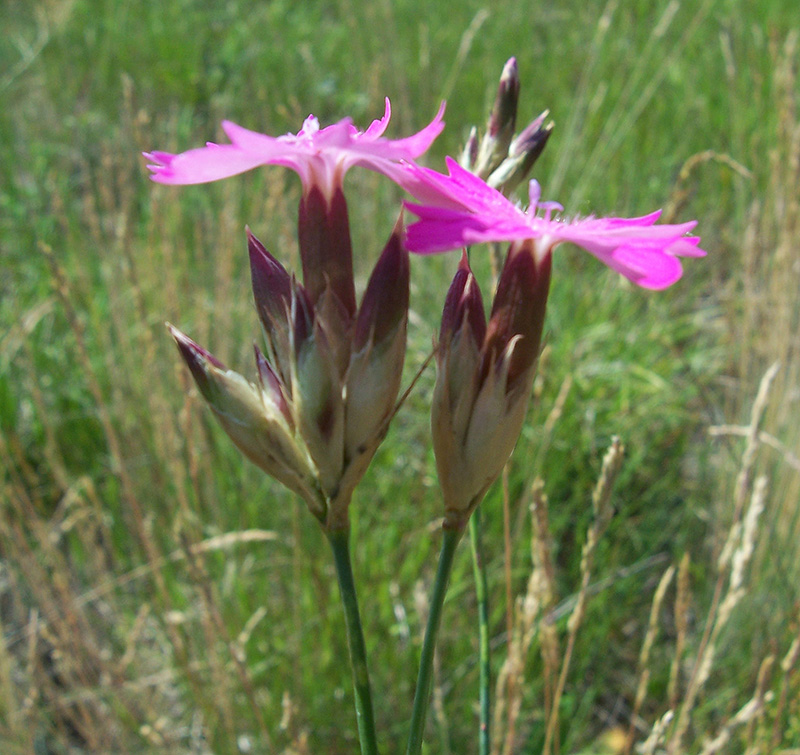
(461, 209)
(320, 156)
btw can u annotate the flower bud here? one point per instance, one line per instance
(254, 419)
(272, 294)
(378, 351)
(463, 306)
(469, 155)
(522, 155)
(484, 376)
(518, 309)
(502, 120)
(503, 117)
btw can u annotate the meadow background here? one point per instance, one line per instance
(159, 594)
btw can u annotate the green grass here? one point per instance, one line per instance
(111, 462)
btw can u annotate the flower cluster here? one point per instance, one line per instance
(328, 382)
(329, 379)
(329, 376)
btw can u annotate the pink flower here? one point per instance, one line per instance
(320, 156)
(461, 209)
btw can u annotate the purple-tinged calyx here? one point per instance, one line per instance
(384, 305)
(518, 310)
(484, 376)
(325, 247)
(463, 307)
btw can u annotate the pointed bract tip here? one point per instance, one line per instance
(192, 351)
(510, 70)
(385, 302)
(463, 305)
(199, 361)
(266, 375)
(270, 278)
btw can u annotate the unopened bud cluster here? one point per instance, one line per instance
(328, 380)
(484, 376)
(500, 158)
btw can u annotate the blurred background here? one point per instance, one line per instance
(159, 594)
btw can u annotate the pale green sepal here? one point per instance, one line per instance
(318, 407)
(373, 382)
(262, 434)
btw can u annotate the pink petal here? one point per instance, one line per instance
(201, 165)
(377, 127)
(419, 143)
(648, 268)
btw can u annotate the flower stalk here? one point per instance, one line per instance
(365, 718)
(484, 648)
(422, 693)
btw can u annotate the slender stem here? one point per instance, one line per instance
(482, 596)
(423, 691)
(339, 540)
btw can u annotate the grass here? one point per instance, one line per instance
(157, 593)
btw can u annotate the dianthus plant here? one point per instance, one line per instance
(328, 377)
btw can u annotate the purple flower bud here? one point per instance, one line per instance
(463, 306)
(484, 375)
(502, 120)
(379, 347)
(523, 153)
(531, 137)
(503, 117)
(272, 291)
(255, 420)
(385, 302)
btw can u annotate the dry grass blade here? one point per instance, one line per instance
(537, 600)
(788, 666)
(603, 512)
(644, 655)
(682, 604)
(733, 560)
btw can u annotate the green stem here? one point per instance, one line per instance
(339, 540)
(482, 596)
(424, 679)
